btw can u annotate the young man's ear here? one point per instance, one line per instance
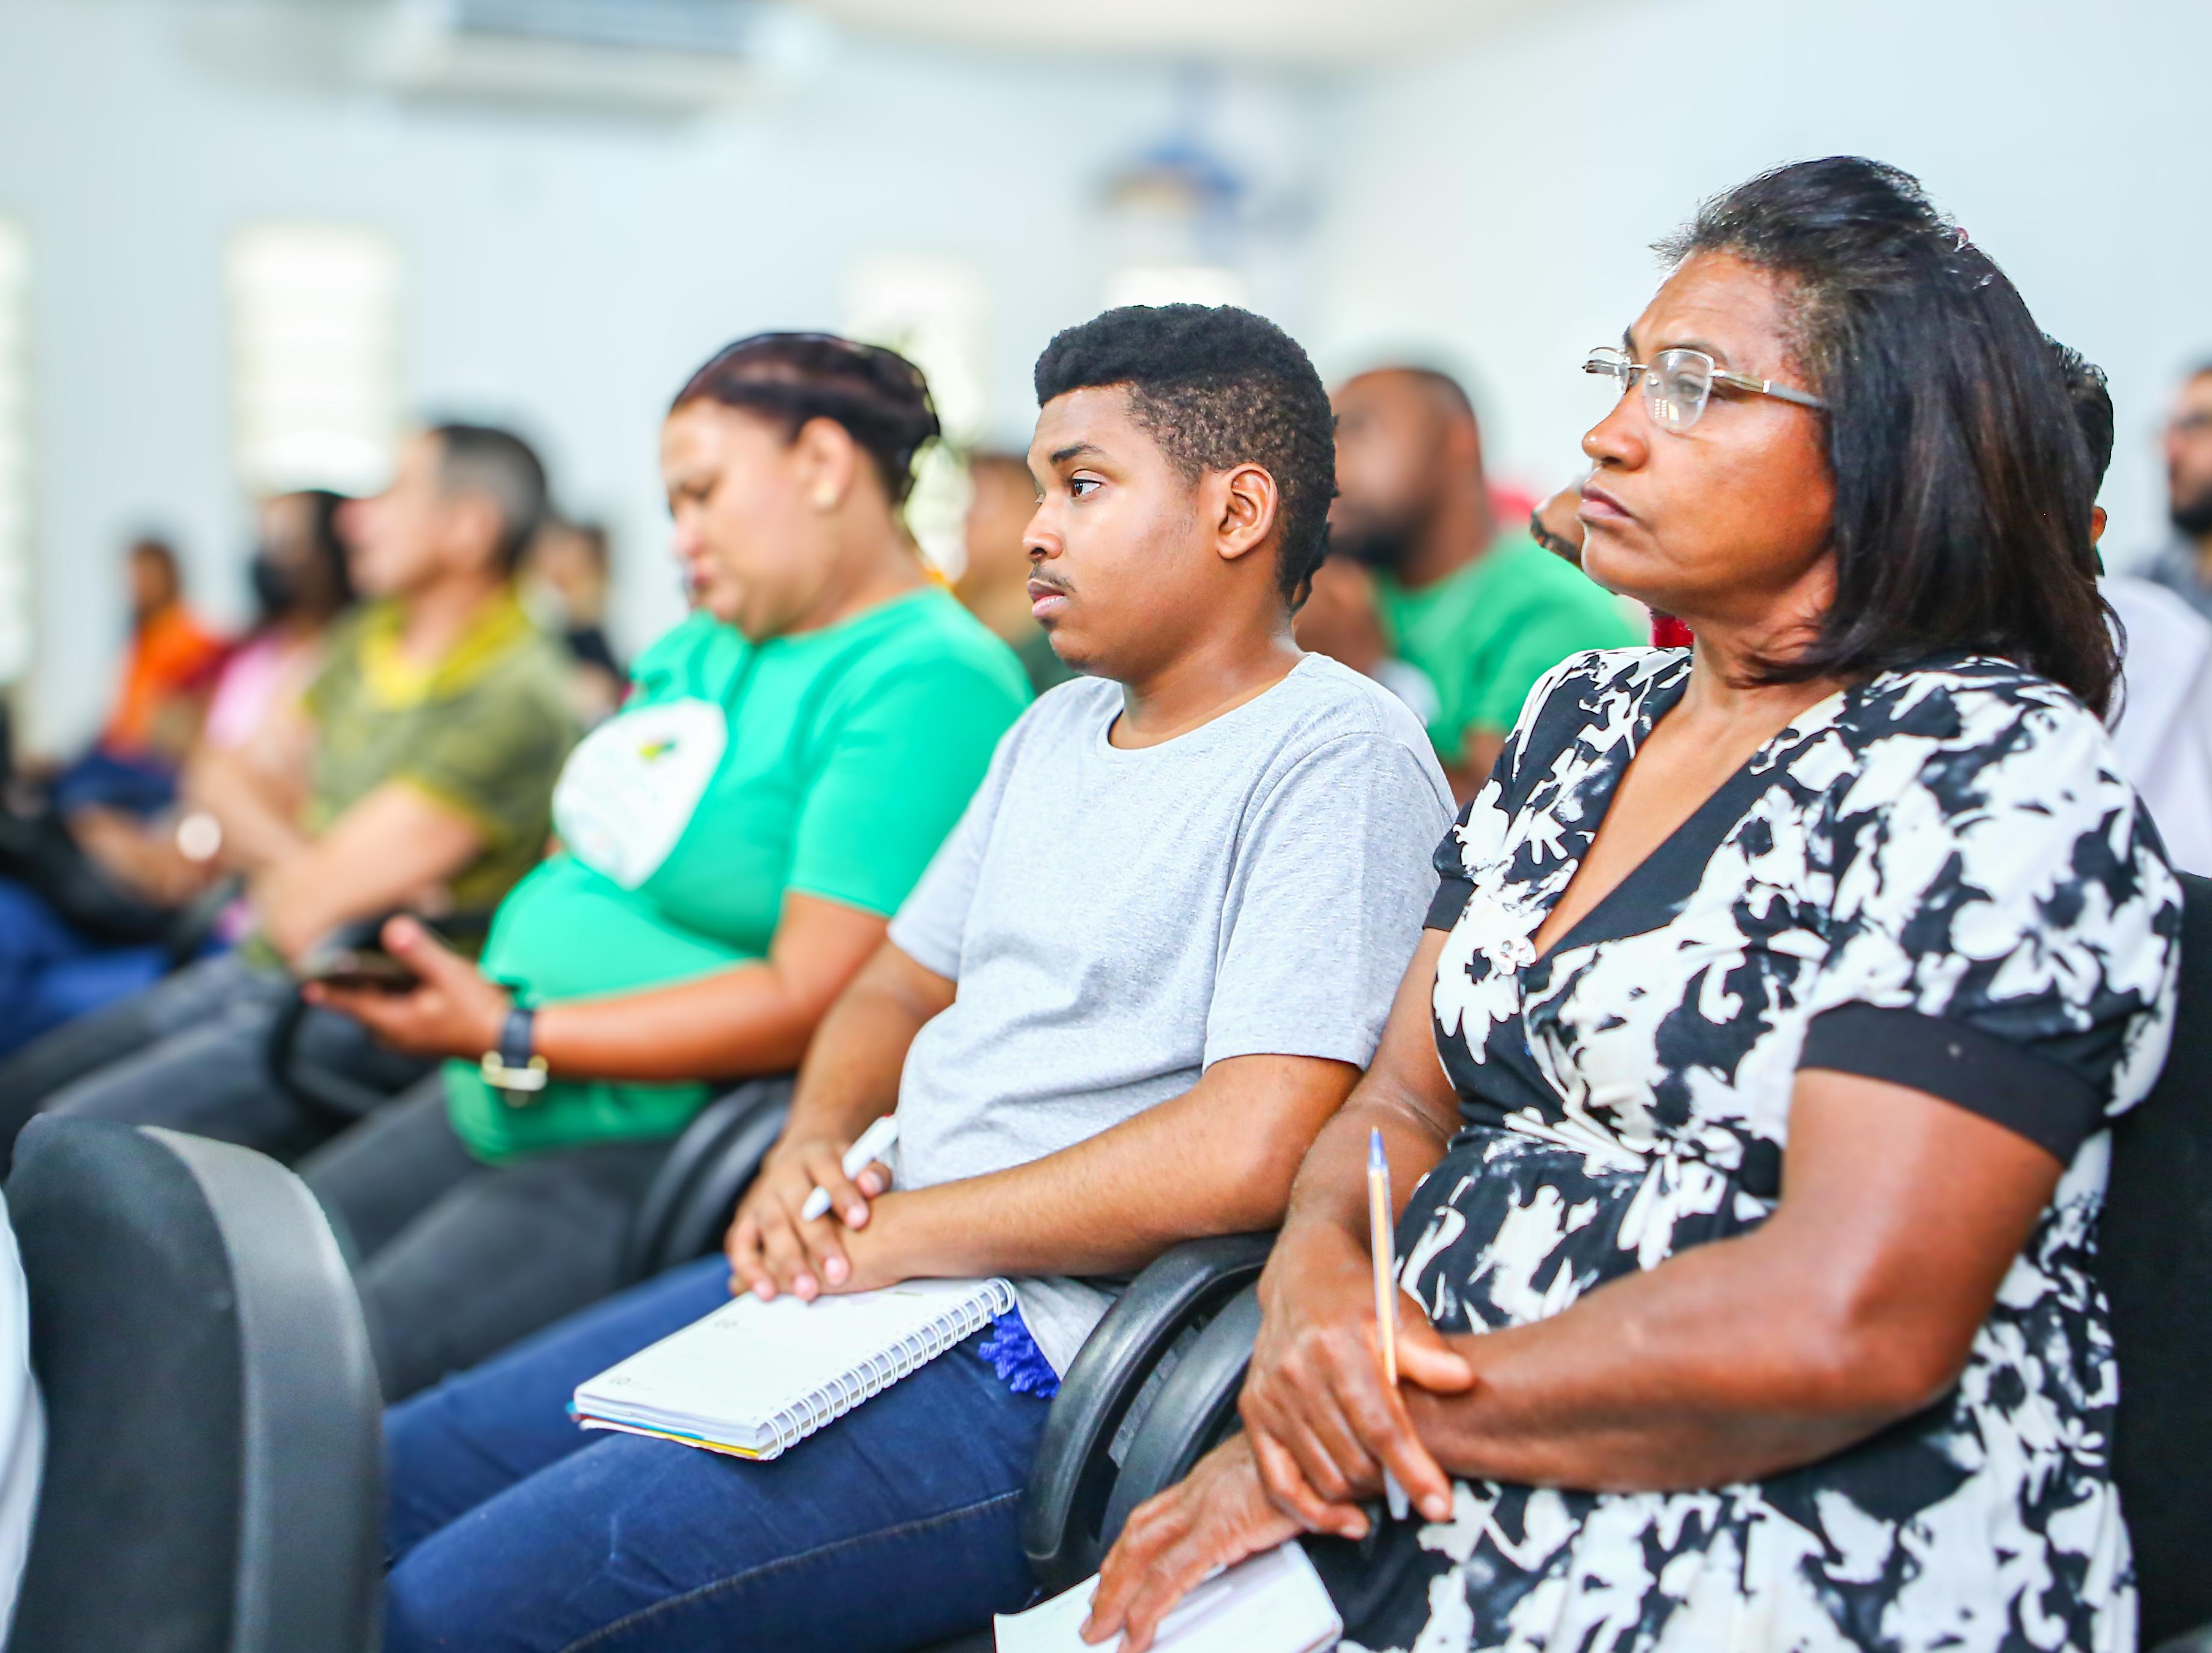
(2096, 523)
(1248, 502)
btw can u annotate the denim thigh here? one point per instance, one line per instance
(897, 1525)
(464, 1443)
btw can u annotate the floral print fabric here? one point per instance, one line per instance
(1937, 877)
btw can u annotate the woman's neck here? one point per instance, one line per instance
(870, 572)
(1724, 689)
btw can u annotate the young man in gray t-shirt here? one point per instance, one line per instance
(1144, 971)
(1161, 943)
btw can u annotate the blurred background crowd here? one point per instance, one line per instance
(247, 246)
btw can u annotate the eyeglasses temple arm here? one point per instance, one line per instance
(1768, 387)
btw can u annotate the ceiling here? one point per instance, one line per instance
(1319, 32)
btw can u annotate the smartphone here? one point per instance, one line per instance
(362, 969)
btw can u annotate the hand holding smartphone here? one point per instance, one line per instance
(361, 969)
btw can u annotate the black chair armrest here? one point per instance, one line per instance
(1109, 1392)
(191, 924)
(687, 1207)
(326, 1089)
(2198, 1640)
(1195, 1410)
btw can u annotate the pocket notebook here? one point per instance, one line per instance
(753, 1378)
(1271, 1603)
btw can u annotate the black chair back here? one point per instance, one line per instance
(693, 1196)
(1200, 1395)
(2154, 1249)
(1121, 1379)
(213, 1479)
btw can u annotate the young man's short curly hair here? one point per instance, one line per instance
(1218, 387)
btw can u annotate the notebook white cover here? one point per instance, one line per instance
(754, 1378)
(1272, 1602)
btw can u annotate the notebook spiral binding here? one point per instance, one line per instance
(795, 1423)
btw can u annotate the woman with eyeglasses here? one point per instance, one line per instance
(732, 844)
(1746, 1101)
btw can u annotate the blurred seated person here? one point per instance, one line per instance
(2184, 564)
(52, 969)
(734, 842)
(254, 717)
(564, 589)
(1146, 967)
(1342, 618)
(1747, 1102)
(169, 668)
(995, 582)
(1554, 526)
(2161, 718)
(2161, 711)
(435, 728)
(1478, 609)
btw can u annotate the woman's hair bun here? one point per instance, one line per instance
(876, 394)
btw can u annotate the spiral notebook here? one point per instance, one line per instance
(754, 1378)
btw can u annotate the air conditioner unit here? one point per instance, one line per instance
(652, 56)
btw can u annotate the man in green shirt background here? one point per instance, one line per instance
(1422, 580)
(430, 742)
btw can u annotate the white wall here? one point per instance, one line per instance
(1490, 203)
(563, 272)
(1496, 203)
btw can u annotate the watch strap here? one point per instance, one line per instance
(515, 1069)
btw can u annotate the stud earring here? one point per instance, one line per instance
(824, 498)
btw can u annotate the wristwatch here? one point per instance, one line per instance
(513, 1070)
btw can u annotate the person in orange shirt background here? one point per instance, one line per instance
(167, 677)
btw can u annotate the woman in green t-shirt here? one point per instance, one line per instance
(733, 844)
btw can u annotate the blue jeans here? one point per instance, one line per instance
(512, 1530)
(51, 974)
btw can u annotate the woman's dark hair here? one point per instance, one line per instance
(1962, 481)
(878, 395)
(323, 588)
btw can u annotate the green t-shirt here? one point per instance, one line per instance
(831, 762)
(1484, 635)
(482, 732)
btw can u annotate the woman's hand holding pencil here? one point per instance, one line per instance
(1325, 1419)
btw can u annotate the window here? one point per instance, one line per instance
(314, 346)
(932, 311)
(15, 554)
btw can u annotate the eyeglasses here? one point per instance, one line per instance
(1679, 383)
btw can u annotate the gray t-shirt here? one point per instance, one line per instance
(1118, 921)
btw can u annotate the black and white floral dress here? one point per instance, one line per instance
(1936, 877)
